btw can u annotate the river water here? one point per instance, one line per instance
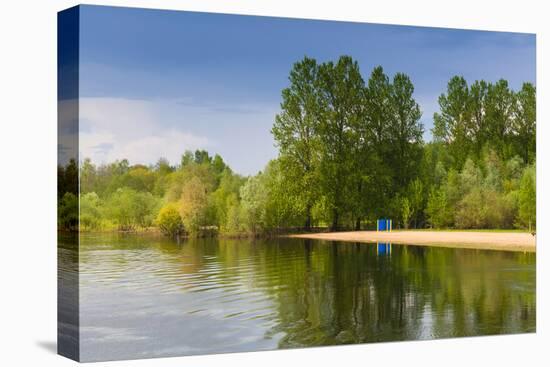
(146, 296)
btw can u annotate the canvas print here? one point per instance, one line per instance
(232, 183)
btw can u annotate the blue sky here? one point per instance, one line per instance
(154, 83)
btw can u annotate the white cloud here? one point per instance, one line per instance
(142, 131)
(117, 128)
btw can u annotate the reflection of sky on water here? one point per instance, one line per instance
(146, 297)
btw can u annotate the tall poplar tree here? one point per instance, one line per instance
(341, 97)
(405, 132)
(451, 123)
(294, 132)
(524, 123)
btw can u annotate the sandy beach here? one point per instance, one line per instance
(508, 241)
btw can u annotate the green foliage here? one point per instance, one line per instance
(486, 114)
(341, 94)
(483, 195)
(285, 206)
(225, 197)
(523, 126)
(451, 123)
(234, 222)
(139, 178)
(90, 211)
(67, 212)
(169, 220)
(472, 210)
(351, 150)
(194, 205)
(67, 179)
(253, 204)
(405, 131)
(130, 209)
(294, 131)
(203, 172)
(437, 210)
(346, 147)
(527, 199)
(415, 196)
(406, 212)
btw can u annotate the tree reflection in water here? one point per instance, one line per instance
(297, 292)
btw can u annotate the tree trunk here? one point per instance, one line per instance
(308, 218)
(358, 224)
(334, 226)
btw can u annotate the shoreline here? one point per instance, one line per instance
(480, 240)
(505, 241)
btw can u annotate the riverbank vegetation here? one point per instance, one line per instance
(351, 150)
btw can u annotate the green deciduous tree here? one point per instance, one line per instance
(437, 209)
(405, 131)
(350, 151)
(90, 211)
(285, 207)
(341, 98)
(295, 133)
(499, 111)
(253, 204)
(528, 199)
(523, 127)
(129, 208)
(194, 205)
(375, 138)
(415, 195)
(225, 197)
(67, 212)
(451, 123)
(406, 212)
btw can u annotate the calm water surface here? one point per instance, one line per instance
(150, 297)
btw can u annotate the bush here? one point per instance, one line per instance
(90, 211)
(169, 220)
(437, 210)
(528, 199)
(67, 212)
(129, 208)
(194, 205)
(471, 211)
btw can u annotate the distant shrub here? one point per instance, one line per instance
(90, 211)
(67, 212)
(129, 208)
(169, 220)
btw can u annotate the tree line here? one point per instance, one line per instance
(350, 151)
(353, 150)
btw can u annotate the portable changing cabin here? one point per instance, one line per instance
(383, 225)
